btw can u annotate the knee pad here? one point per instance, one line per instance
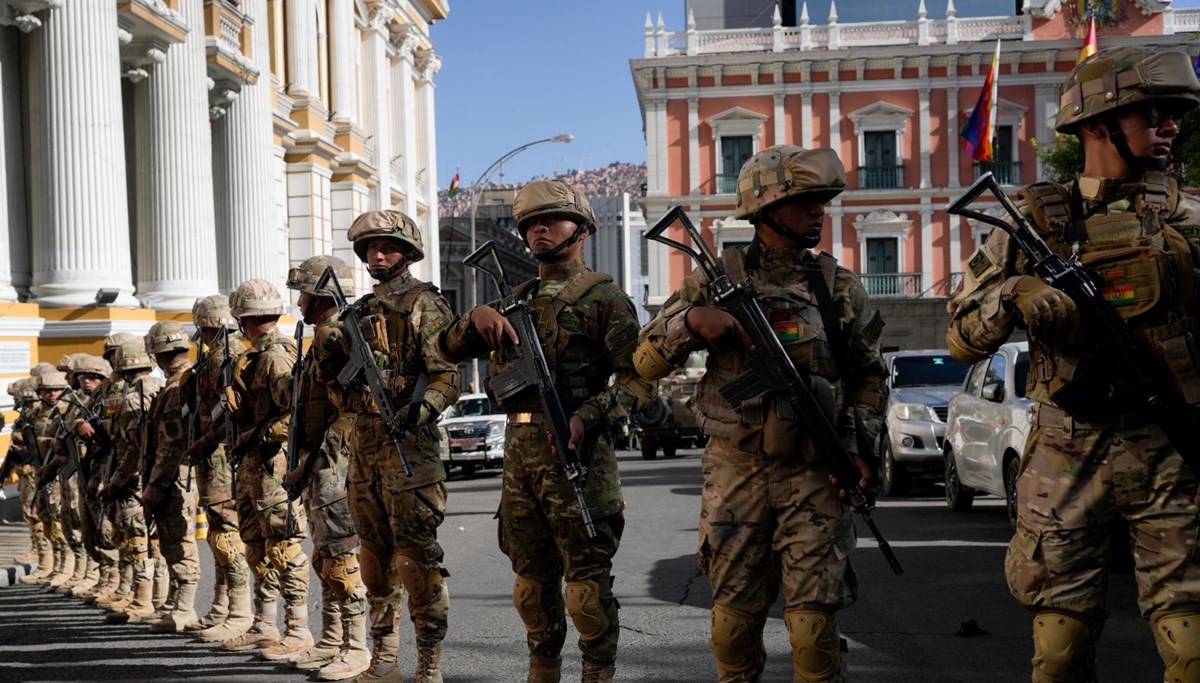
(816, 655)
(226, 546)
(736, 639)
(342, 575)
(284, 554)
(527, 597)
(583, 604)
(1063, 648)
(374, 563)
(256, 557)
(1178, 637)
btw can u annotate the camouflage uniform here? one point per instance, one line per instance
(259, 402)
(47, 493)
(168, 496)
(588, 329)
(1077, 478)
(231, 614)
(769, 518)
(24, 398)
(56, 469)
(397, 517)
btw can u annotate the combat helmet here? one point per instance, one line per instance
(40, 369)
(167, 336)
(213, 311)
(113, 341)
(1118, 77)
(388, 223)
(66, 364)
(255, 298)
(132, 355)
(23, 389)
(87, 364)
(542, 197)
(783, 171)
(52, 379)
(303, 278)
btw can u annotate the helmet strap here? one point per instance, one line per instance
(807, 242)
(544, 255)
(385, 274)
(1117, 137)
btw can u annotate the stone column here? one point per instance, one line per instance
(78, 213)
(244, 167)
(343, 56)
(14, 245)
(175, 217)
(378, 77)
(302, 49)
(952, 130)
(428, 166)
(693, 128)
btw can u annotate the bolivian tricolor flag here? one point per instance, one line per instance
(981, 126)
(452, 193)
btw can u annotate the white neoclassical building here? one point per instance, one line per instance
(153, 151)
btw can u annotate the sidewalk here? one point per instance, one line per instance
(14, 540)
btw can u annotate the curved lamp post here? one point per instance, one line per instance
(476, 193)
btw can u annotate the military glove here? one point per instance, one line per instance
(291, 483)
(419, 413)
(1049, 313)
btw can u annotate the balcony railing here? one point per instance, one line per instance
(726, 184)
(893, 285)
(880, 177)
(1006, 172)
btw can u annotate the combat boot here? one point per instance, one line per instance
(110, 577)
(330, 646)
(123, 593)
(544, 669)
(298, 640)
(355, 657)
(80, 567)
(264, 633)
(183, 614)
(45, 565)
(216, 614)
(163, 610)
(91, 579)
(239, 620)
(65, 570)
(383, 667)
(162, 585)
(595, 673)
(429, 658)
(138, 610)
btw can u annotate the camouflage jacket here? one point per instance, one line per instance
(71, 415)
(791, 307)
(166, 430)
(262, 392)
(318, 385)
(206, 391)
(588, 334)
(129, 426)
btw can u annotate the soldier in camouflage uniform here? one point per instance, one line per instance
(65, 489)
(168, 497)
(24, 395)
(259, 400)
(770, 519)
(589, 330)
(397, 517)
(1129, 224)
(321, 475)
(49, 504)
(124, 486)
(230, 615)
(43, 499)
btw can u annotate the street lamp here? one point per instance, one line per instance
(475, 191)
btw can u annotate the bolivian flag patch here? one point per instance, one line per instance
(786, 330)
(1119, 295)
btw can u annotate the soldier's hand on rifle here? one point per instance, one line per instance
(291, 483)
(85, 430)
(717, 327)
(865, 470)
(194, 453)
(1049, 313)
(419, 413)
(495, 329)
(577, 432)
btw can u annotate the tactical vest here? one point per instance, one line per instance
(319, 412)
(572, 341)
(1144, 269)
(792, 310)
(262, 407)
(386, 329)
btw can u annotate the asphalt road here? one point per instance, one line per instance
(903, 629)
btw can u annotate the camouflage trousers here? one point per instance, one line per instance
(279, 564)
(175, 516)
(69, 509)
(769, 524)
(98, 521)
(335, 542)
(48, 504)
(1073, 485)
(27, 490)
(397, 525)
(225, 542)
(542, 533)
(133, 536)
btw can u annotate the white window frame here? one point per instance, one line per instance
(739, 122)
(878, 117)
(883, 225)
(729, 230)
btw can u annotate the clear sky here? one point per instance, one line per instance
(515, 72)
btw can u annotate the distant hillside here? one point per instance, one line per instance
(615, 178)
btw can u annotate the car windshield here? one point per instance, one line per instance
(1022, 374)
(472, 407)
(927, 371)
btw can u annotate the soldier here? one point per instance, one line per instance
(27, 479)
(49, 497)
(259, 402)
(230, 615)
(589, 330)
(325, 447)
(18, 460)
(1128, 222)
(397, 516)
(168, 497)
(770, 518)
(123, 486)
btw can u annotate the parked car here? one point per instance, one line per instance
(989, 422)
(475, 434)
(910, 444)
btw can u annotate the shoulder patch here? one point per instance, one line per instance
(1191, 232)
(979, 264)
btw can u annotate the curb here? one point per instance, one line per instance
(9, 575)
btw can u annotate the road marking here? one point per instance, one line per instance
(870, 543)
(937, 503)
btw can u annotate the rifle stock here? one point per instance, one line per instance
(770, 370)
(531, 371)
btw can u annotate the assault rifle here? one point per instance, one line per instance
(770, 370)
(530, 371)
(193, 415)
(147, 461)
(1120, 379)
(230, 433)
(102, 439)
(362, 361)
(294, 431)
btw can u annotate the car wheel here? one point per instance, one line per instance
(958, 498)
(468, 471)
(649, 448)
(669, 448)
(1012, 469)
(893, 477)
(701, 441)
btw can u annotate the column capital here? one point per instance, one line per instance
(427, 63)
(405, 38)
(20, 13)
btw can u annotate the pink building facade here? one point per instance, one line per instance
(890, 97)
